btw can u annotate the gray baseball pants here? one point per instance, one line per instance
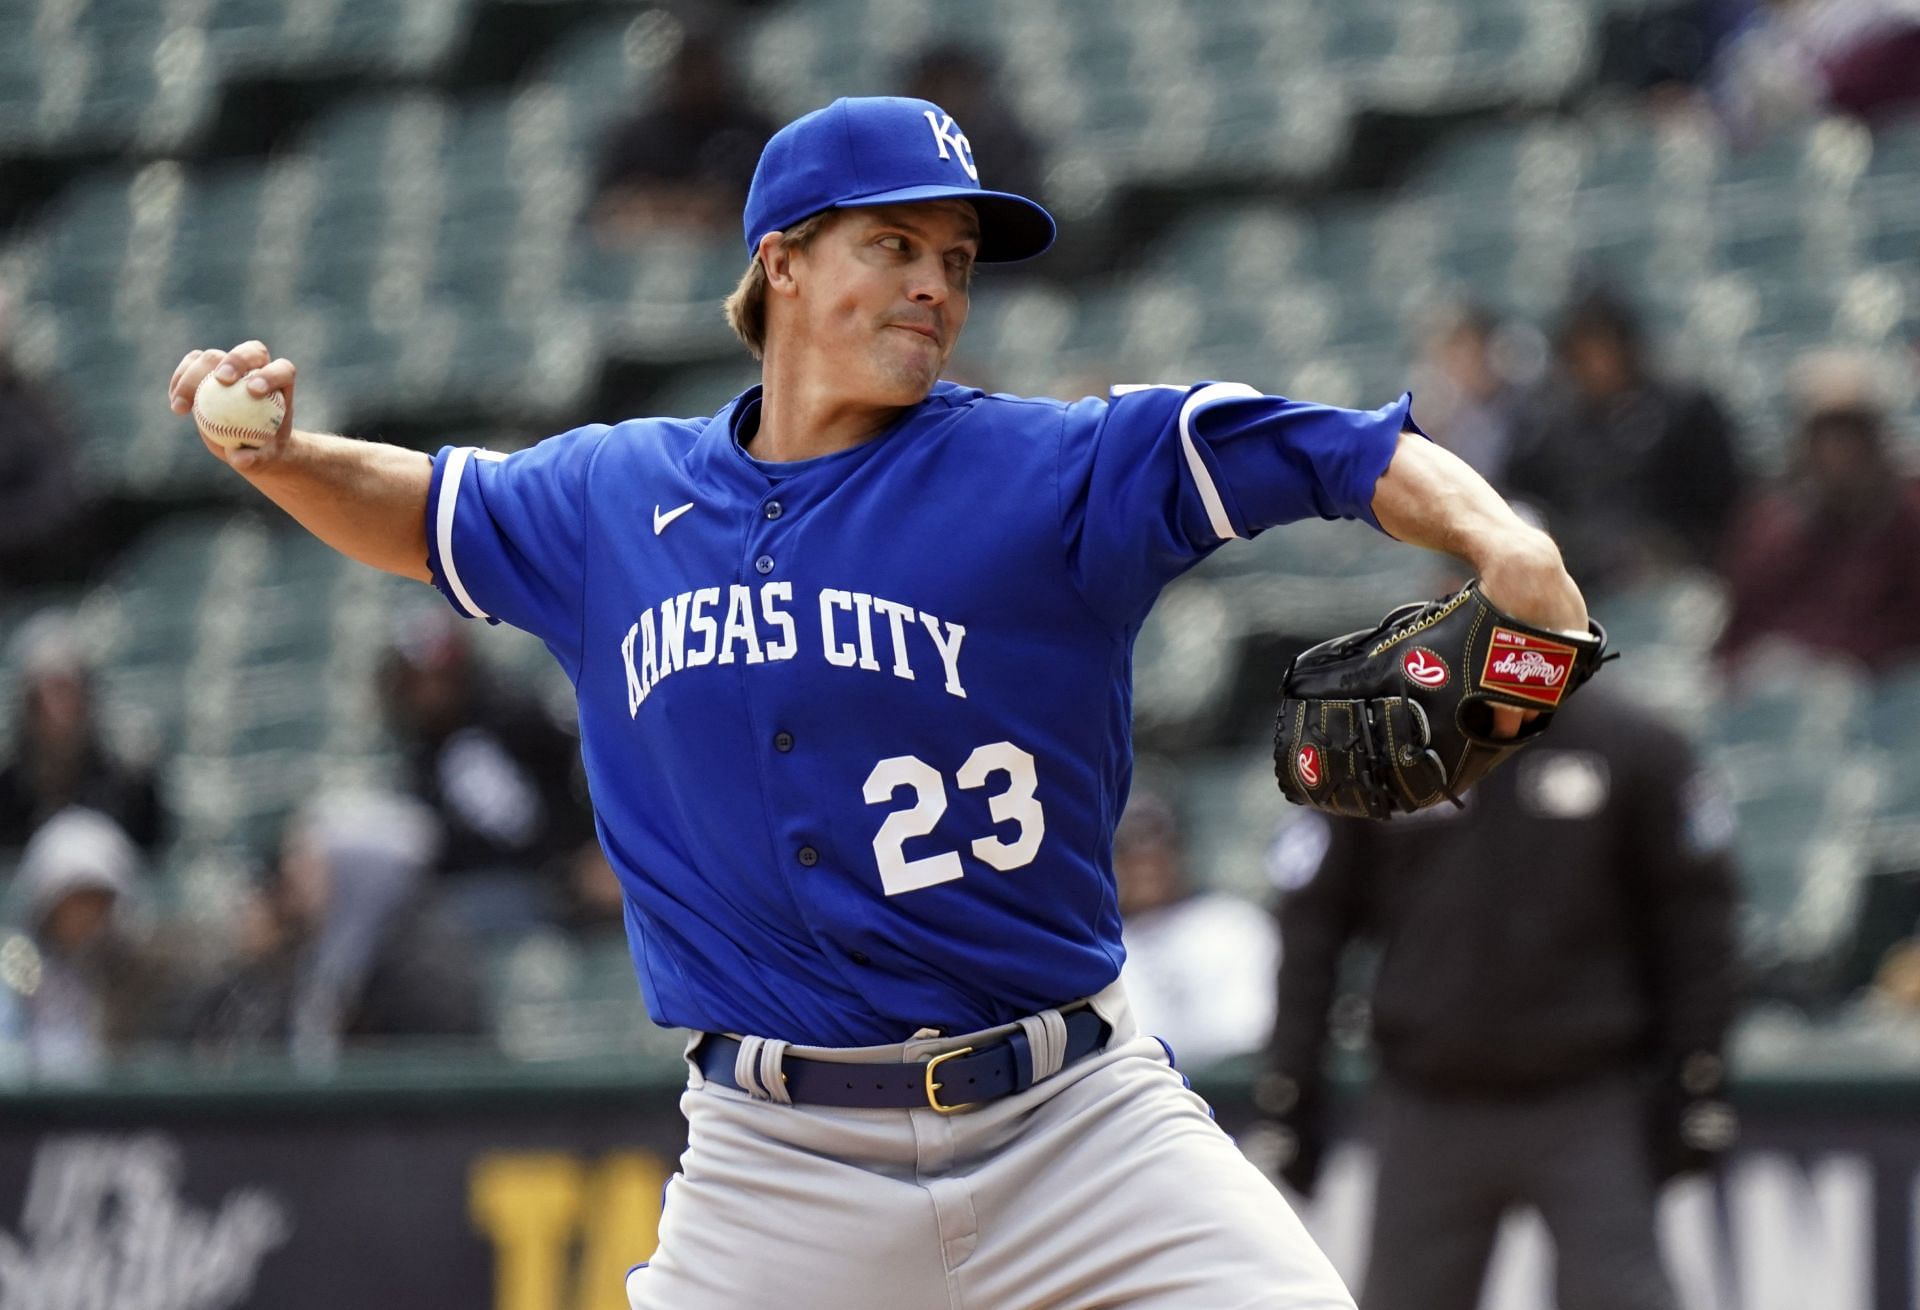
(1106, 1185)
(1451, 1168)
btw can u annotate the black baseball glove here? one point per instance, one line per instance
(1391, 721)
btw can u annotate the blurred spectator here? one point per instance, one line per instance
(1637, 473)
(1768, 63)
(1830, 559)
(1667, 50)
(1555, 979)
(1467, 403)
(58, 757)
(503, 777)
(345, 943)
(98, 984)
(1896, 983)
(47, 523)
(1200, 966)
(1795, 58)
(683, 163)
(962, 81)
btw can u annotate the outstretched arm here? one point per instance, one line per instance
(365, 499)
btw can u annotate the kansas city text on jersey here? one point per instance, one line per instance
(702, 627)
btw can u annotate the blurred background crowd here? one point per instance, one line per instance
(1652, 266)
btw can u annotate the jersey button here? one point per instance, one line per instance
(773, 510)
(809, 856)
(783, 741)
(764, 564)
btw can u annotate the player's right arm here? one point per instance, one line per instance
(366, 499)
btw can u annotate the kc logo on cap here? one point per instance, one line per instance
(945, 134)
(860, 153)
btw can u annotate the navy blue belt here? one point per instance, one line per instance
(952, 1080)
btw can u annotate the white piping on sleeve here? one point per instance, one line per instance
(443, 527)
(1209, 494)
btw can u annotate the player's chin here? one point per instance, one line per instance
(906, 377)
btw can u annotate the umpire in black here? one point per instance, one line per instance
(1555, 976)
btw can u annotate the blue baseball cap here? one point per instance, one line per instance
(885, 150)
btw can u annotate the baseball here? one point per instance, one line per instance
(232, 416)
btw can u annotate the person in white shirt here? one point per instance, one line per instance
(1200, 965)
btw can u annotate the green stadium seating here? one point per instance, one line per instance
(551, 997)
(418, 246)
(1230, 809)
(607, 68)
(694, 392)
(1893, 711)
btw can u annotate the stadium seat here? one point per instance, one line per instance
(1248, 247)
(1784, 698)
(695, 392)
(1800, 838)
(552, 996)
(662, 300)
(1230, 808)
(1893, 710)
(605, 70)
(1179, 673)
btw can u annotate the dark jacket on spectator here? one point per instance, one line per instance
(506, 784)
(1645, 478)
(123, 792)
(47, 531)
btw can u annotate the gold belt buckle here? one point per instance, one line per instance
(933, 1088)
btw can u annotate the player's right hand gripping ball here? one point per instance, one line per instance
(1391, 721)
(229, 415)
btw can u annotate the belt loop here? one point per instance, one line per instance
(746, 1067)
(772, 1076)
(1110, 1003)
(1046, 1034)
(696, 1078)
(758, 1069)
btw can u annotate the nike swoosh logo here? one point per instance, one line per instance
(660, 520)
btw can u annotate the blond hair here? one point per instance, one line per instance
(747, 306)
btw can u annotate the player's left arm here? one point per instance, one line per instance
(1153, 481)
(1431, 497)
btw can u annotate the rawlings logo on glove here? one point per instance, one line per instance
(1528, 666)
(1424, 667)
(1372, 725)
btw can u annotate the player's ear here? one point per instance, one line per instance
(776, 257)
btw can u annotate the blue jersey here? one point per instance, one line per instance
(857, 727)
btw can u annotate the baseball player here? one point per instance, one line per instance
(851, 657)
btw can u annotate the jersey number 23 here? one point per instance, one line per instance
(1016, 805)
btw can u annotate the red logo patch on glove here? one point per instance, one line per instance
(1307, 765)
(1526, 666)
(1424, 667)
